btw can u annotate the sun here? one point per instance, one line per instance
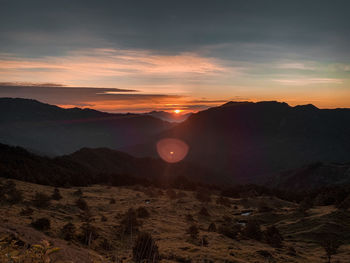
(177, 111)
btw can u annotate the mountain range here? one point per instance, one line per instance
(238, 142)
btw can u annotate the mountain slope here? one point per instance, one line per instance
(246, 142)
(55, 131)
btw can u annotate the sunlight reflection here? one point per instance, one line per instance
(172, 150)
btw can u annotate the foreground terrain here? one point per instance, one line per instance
(102, 229)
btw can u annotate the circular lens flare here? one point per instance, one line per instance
(172, 150)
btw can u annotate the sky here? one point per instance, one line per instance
(137, 56)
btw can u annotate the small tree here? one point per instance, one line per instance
(56, 195)
(145, 249)
(330, 245)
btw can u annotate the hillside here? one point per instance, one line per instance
(89, 166)
(248, 142)
(167, 217)
(52, 130)
(312, 176)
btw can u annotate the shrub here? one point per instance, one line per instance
(142, 212)
(42, 224)
(203, 212)
(212, 227)
(81, 204)
(273, 237)
(171, 193)
(252, 230)
(41, 200)
(26, 212)
(112, 201)
(129, 224)
(330, 245)
(10, 193)
(204, 241)
(78, 193)
(145, 249)
(56, 195)
(193, 231)
(223, 201)
(189, 218)
(103, 218)
(105, 244)
(68, 231)
(203, 195)
(230, 230)
(263, 207)
(88, 233)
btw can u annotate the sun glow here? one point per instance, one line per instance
(177, 111)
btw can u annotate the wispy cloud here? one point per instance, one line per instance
(308, 81)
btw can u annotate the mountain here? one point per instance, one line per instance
(312, 176)
(91, 166)
(52, 130)
(247, 142)
(170, 117)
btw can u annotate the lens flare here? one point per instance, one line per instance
(172, 150)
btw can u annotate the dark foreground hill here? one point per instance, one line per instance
(55, 131)
(313, 176)
(248, 142)
(91, 166)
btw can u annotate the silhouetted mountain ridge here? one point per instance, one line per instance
(247, 142)
(56, 131)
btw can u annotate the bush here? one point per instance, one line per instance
(212, 227)
(273, 237)
(203, 212)
(189, 218)
(204, 241)
(145, 249)
(68, 231)
(193, 231)
(88, 233)
(203, 196)
(26, 212)
(103, 218)
(81, 204)
(78, 193)
(171, 193)
(112, 201)
(142, 212)
(56, 195)
(105, 244)
(330, 245)
(230, 230)
(41, 200)
(42, 224)
(223, 201)
(10, 193)
(129, 224)
(252, 230)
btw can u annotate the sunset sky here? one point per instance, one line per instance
(137, 56)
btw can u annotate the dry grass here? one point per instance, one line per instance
(167, 224)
